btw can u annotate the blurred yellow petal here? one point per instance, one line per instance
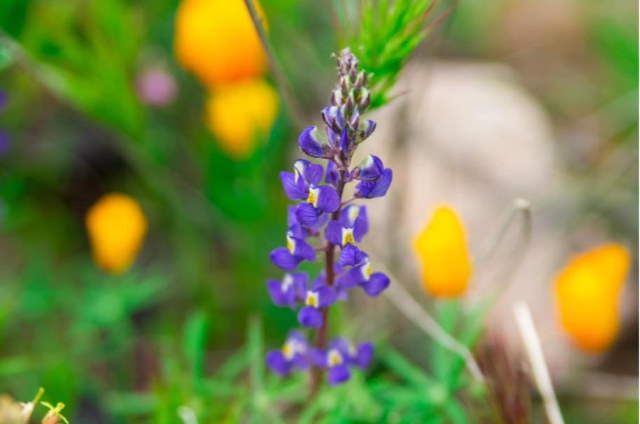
(216, 40)
(443, 253)
(116, 226)
(587, 295)
(241, 114)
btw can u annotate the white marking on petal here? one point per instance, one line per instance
(368, 162)
(291, 348)
(334, 358)
(291, 244)
(352, 214)
(347, 236)
(313, 299)
(287, 282)
(314, 194)
(298, 170)
(366, 270)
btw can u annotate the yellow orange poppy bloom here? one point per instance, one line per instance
(443, 253)
(217, 41)
(116, 227)
(587, 293)
(241, 114)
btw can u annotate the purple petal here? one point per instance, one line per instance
(318, 357)
(332, 176)
(278, 363)
(294, 226)
(355, 217)
(304, 250)
(350, 278)
(349, 214)
(376, 284)
(310, 317)
(350, 256)
(278, 296)
(297, 335)
(340, 117)
(311, 144)
(328, 199)
(320, 281)
(326, 296)
(361, 226)
(300, 361)
(311, 172)
(294, 190)
(333, 232)
(367, 130)
(307, 215)
(377, 188)
(371, 168)
(329, 116)
(364, 355)
(344, 141)
(282, 258)
(338, 374)
(300, 282)
(341, 345)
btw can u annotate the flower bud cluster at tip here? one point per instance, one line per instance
(319, 213)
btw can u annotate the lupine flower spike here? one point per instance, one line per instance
(588, 293)
(320, 221)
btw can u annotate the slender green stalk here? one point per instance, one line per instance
(281, 80)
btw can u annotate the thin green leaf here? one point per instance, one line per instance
(194, 345)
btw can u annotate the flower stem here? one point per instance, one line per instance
(321, 339)
(278, 74)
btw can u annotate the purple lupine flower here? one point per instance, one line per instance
(293, 355)
(297, 250)
(305, 175)
(321, 213)
(317, 298)
(315, 144)
(341, 356)
(302, 185)
(350, 228)
(374, 178)
(358, 272)
(290, 290)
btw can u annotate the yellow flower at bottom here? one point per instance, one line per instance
(443, 253)
(240, 114)
(116, 227)
(587, 293)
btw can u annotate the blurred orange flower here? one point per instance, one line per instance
(241, 114)
(587, 293)
(116, 226)
(443, 253)
(216, 40)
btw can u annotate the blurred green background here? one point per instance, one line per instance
(135, 346)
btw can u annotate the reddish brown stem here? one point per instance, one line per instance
(323, 331)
